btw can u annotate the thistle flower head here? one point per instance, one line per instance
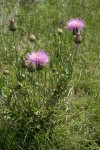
(75, 24)
(39, 59)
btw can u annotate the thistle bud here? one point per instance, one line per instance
(39, 67)
(5, 72)
(31, 37)
(22, 76)
(77, 38)
(12, 25)
(54, 69)
(31, 68)
(24, 63)
(60, 32)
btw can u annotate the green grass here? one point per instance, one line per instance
(68, 117)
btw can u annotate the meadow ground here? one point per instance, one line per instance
(58, 107)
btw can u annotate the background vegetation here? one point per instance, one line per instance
(54, 112)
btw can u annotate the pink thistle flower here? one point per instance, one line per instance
(75, 24)
(39, 59)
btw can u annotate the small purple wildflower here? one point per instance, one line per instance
(39, 59)
(75, 24)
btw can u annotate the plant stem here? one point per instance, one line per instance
(38, 84)
(16, 57)
(45, 81)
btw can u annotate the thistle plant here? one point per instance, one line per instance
(60, 33)
(43, 87)
(13, 28)
(38, 60)
(75, 25)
